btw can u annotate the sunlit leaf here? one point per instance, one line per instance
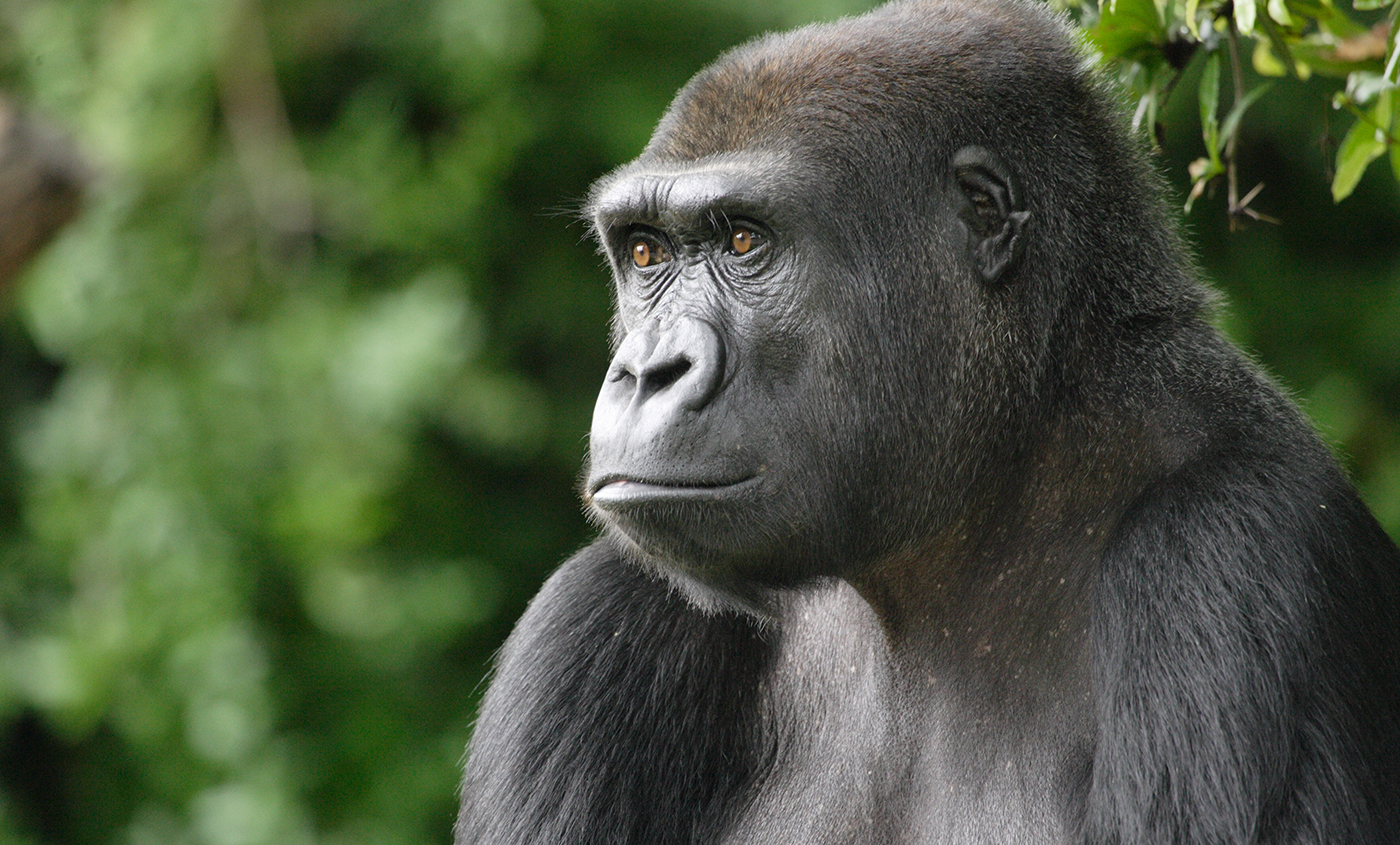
(1363, 87)
(1202, 171)
(1244, 16)
(1265, 62)
(1358, 149)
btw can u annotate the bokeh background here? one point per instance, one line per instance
(291, 413)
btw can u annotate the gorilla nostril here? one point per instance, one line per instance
(662, 377)
(678, 364)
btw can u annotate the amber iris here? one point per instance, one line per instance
(743, 240)
(647, 253)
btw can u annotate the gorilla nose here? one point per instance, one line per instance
(678, 367)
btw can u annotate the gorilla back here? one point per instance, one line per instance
(931, 507)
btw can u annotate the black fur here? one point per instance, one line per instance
(933, 509)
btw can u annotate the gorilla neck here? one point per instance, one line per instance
(995, 628)
(1002, 596)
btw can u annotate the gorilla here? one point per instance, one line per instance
(932, 508)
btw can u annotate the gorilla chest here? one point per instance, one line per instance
(833, 802)
(860, 754)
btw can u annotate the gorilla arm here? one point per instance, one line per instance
(614, 714)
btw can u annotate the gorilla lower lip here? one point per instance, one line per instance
(623, 491)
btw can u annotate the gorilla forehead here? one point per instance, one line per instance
(922, 67)
(677, 195)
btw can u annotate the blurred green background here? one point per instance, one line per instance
(292, 413)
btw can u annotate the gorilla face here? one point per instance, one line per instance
(780, 358)
(718, 402)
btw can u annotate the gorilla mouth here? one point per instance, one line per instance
(617, 490)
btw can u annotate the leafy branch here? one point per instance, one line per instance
(1151, 43)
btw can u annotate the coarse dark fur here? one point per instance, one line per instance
(933, 509)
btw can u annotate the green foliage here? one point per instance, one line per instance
(1311, 89)
(1151, 42)
(293, 413)
(1368, 139)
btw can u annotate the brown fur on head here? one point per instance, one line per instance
(860, 76)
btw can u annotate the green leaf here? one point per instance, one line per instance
(1310, 9)
(1370, 5)
(1210, 91)
(1279, 12)
(1331, 19)
(1359, 148)
(1232, 120)
(1319, 53)
(1210, 104)
(1363, 87)
(1265, 62)
(1281, 44)
(1201, 171)
(1244, 16)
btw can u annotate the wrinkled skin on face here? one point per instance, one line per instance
(700, 442)
(765, 364)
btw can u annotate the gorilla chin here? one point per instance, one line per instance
(708, 540)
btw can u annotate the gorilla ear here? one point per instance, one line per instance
(991, 208)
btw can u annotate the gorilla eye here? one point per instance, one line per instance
(742, 240)
(647, 252)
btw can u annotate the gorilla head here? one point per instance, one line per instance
(853, 269)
